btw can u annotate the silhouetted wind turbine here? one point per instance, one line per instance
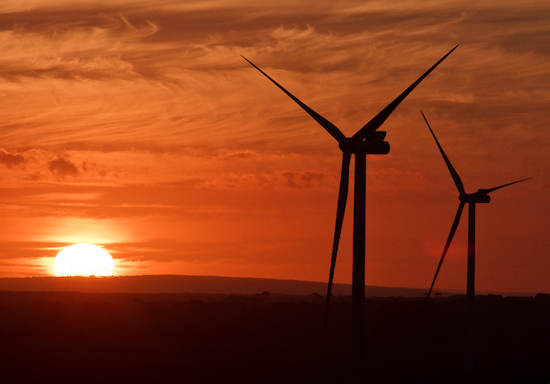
(481, 197)
(366, 141)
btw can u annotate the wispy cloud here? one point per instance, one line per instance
(311, 178)
(240, 155)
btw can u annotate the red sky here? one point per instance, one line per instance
(137, 126)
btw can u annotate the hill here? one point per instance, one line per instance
(192, 284)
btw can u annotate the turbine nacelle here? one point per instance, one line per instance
(480, 197)
(375, 146)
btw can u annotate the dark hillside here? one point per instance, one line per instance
(193, 284)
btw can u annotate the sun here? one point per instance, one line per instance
(83, 260)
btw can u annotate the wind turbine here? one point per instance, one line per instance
(479, 197)
(365, 141)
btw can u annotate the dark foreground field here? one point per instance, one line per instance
(192, 338)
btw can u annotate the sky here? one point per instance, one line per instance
(136, 125)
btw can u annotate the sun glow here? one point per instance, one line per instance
(83, 260)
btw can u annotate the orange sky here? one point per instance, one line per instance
(137, 126)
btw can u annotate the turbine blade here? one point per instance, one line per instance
(449, 239)
(342, 198)
(377, 120)
(331, 128)
(486, 191)
(454, 174)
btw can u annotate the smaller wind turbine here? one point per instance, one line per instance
(479, 197)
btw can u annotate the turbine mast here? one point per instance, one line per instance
(358, 277)
(470, 290)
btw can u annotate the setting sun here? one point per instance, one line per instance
(83, 260)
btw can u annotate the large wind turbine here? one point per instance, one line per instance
(479, 197)
(366, 141)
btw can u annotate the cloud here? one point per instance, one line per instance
(72, 50)
(240, 155)
(63, 167)
(9, 159)
(394, 181)
(167, 76)
(305, 179)
(232, 181)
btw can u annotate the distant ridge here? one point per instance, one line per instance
(192, 284)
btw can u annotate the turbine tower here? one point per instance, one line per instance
(365, 141)
(479, 197)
